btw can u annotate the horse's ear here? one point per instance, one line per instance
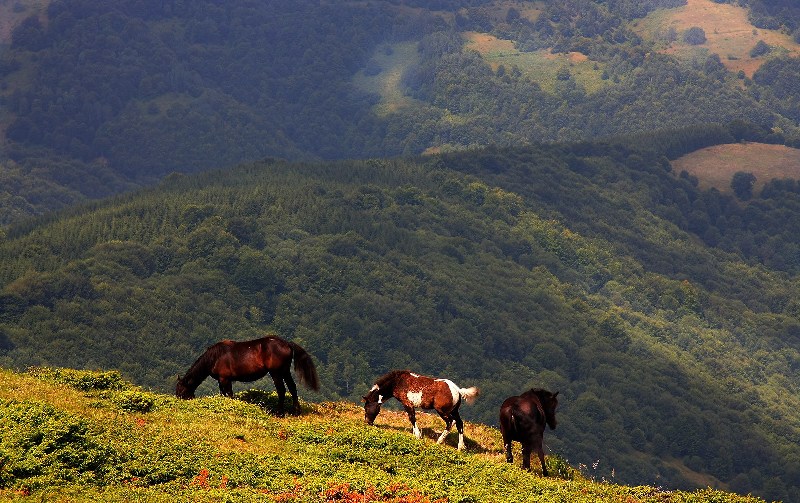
(363, 398)
(556, 394)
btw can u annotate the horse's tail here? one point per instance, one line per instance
(469, 394)
(304, 367)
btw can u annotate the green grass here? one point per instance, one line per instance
(540, 66)
(69, 435)
(390, 61)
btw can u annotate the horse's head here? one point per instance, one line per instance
(549, 404)
(182, 390)
(372, 405)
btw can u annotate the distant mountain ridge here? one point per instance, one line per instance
(100, 96)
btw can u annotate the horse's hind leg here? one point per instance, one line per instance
(281, 389)
(448, 424)
(526, 456)
(540, 452)
(287, 376)
(226, 387)
(460, 428)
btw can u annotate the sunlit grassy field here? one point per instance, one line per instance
(390, 61)
(715, 166)
(728, 34)
(89, 436)
(540, 66)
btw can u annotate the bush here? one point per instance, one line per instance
(694, 36)
(135, 401)
(760, 49)
(41, 446)
(83, 380)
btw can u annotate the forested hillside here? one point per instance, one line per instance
(573, 267)
(97, 96)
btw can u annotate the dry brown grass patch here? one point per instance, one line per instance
(728, 33)
(715, 166)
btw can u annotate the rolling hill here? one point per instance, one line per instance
(573, 267)
(715, 166)
(94, 437)
(563, 230)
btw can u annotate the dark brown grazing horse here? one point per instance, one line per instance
(413, 390)
(522, 418)
(228, 361)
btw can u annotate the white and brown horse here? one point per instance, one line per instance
(413, 390)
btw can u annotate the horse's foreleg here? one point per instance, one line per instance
(412, 416)
(281, 389)
(460, 428)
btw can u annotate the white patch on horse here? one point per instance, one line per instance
(413, 374)
(374, 387)
(415, 397)
(416, 431)
(453, 389)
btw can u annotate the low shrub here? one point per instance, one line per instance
(83, 380)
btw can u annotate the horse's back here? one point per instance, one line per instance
(520, 417)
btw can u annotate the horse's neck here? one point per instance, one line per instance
(197, 373)
(387, 388)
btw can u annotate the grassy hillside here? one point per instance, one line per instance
(729, 34)
(715, 166)
(90, 436)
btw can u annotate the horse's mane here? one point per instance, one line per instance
(202, 366)
(538, 391)
(390, 377)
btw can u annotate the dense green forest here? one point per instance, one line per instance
(574, 267)
(100, 96)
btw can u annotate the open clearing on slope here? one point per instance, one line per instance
(539, 66)
(388, 64)
(715, 166)
(728, 34)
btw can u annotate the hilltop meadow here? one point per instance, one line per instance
(79, 436)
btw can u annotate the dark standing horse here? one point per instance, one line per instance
(228, 361)
(522, 418)
(413, 390)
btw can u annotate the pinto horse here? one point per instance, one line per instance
(228, 361)
(413, 390)
(522, 418)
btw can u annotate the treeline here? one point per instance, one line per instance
(546, 266)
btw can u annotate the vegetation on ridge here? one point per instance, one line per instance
(83, 436)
